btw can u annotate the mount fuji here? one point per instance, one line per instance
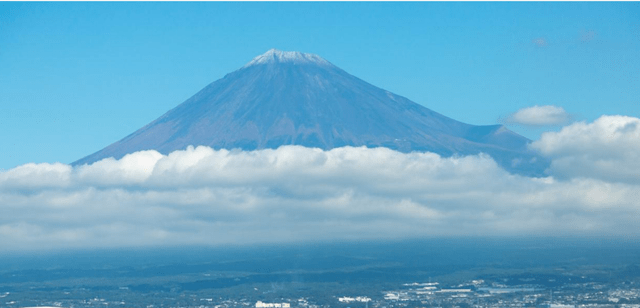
(293, 98)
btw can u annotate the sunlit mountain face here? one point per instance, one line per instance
(293, 98)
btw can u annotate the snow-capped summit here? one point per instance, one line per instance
(279, 56)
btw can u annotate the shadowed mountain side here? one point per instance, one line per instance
(282, 98)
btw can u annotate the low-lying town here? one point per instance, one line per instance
(475, 293)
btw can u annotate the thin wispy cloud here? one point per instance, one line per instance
(207, 197)
(588, 36)
(540, 42)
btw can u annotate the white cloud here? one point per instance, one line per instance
(539, 116)
(131, 169)
(204, 196)
(36, 176)
(607, 149)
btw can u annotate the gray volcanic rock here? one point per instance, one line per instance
(282, 98)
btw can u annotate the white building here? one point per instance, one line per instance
(260, 304)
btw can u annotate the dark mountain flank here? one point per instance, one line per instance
(282, 98)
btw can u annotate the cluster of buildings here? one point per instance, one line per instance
(260, 304)
(478, 294)
(346, 299)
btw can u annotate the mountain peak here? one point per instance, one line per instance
(294, 98)
(279, 56)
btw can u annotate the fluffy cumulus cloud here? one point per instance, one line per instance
(607, 149)
(539, 116)
(203, 196)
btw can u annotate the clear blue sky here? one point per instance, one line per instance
(75, 77)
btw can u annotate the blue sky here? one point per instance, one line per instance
(78, 76)
(75, 77)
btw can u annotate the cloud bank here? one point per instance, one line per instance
(539, 116)
(203, 196)
(607, 149)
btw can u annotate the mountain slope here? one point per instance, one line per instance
(282, 98)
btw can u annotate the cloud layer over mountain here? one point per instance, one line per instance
(205, 196)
